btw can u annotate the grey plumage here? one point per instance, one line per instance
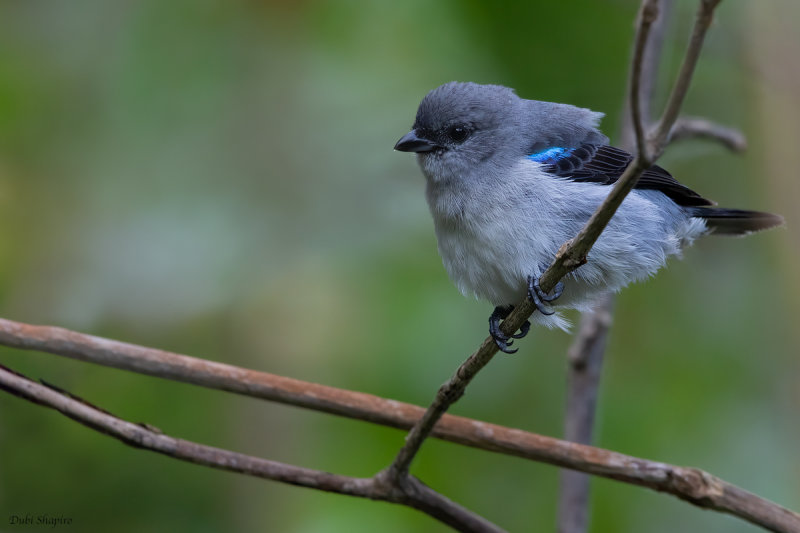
(510, 180)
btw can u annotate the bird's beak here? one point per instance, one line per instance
(411, 143)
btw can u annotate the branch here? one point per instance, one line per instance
(690, 484)
(447, 394)
(695, 127)
(705, 14)
(573, 253)
(643, 71)
(585, 358)
(413, 493)
(651, 58)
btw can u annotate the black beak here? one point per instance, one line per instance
(411, 143)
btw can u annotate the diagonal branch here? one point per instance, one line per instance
(690, 484)
(446, 396)
(413, 493)
(573, 253)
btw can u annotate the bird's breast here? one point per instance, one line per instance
(481, 257)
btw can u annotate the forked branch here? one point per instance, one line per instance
(412, 492)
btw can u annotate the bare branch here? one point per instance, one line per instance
(447, 394)
(705, 14)
(642, 62)
(585, 358)
(573, 253)
(695, 127)
(690, 484)
(141, 436)
(651, 57)
(412, 493)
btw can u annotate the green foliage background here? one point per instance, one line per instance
(217, 179)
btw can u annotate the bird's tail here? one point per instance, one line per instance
(723, 221)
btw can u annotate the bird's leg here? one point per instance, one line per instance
(538, 296)
(502, 340)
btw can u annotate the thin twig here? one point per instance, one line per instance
(412, 493)
(642, 71)
(696, 127)
(658, 140)
(690, 484)
(574, 252)
(651, 57)
(447, 394)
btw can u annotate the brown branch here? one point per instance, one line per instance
(412, 492)
(695, 127)
(690, 484)
(574, 253)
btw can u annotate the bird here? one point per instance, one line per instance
(509, 180)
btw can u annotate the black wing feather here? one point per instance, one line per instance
(605, 164)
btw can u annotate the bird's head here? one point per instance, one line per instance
(467, 129)
(460, 127)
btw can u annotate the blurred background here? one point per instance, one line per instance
(217, 179)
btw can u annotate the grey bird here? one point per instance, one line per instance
(510, 180)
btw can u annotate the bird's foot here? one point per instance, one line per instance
(538, 296)
(502, 340)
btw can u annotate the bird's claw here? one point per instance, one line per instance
(502, 340)
(523, 330)
(538, 296)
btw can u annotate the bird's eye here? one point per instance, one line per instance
(458, 133)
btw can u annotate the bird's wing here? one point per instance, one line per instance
(604, 165)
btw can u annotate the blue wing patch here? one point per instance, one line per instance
(603, 165)
(550, 156)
